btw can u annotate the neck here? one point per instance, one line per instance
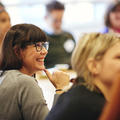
(25, 71)
(105, 90)
(57, 32)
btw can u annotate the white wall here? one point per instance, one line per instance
(80, 15)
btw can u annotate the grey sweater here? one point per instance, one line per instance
(21, 98)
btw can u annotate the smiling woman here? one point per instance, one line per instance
(23, 52)
(34, 57)
(24, 39)
(4, 22)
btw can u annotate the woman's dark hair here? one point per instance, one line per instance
(111, 8)
(18, 37)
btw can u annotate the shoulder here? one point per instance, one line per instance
(27, 86)
(77, 103)
(80, 96)
(20, 77)
(83, 93)
(21, 80)
(67, 34)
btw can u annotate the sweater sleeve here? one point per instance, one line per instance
(30, 99)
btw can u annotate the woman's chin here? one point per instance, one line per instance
(42, 67)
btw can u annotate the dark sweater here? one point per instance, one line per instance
(77, 104)
(57, 53)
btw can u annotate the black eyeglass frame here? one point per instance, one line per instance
(41, 45)
(37, 45)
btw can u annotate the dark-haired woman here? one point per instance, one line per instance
(23, 52)
(112, 19)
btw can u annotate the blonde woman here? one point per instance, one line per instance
(96, 60)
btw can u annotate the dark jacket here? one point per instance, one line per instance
(78, 103)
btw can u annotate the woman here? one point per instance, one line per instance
(4, 22)
(112, 108)
(96, 60)
(23, 52)
(112, 19)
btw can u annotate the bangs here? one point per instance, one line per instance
(25, 34)
(36, 35)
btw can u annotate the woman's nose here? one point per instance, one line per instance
(43, 51)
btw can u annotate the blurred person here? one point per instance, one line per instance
(112, 19)
(112, 108)
(23, 52)
(96, 60)
(61, 42)
(4, 22)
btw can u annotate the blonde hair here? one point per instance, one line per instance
(92, 45)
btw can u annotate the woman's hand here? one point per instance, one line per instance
(59, 79)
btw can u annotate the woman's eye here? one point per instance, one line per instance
(118, 57)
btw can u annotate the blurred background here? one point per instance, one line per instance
(80, 15)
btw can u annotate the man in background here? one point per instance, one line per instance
(61, 42)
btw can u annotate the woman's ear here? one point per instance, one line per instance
(93, 66)
(17, 51)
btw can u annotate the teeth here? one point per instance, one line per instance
(40, 60)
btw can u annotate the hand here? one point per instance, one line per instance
(59, 79)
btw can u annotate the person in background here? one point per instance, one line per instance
(61, 42)
(4, 22)
(96, 60)
(112, 19)
(111, 110)
(23, 52)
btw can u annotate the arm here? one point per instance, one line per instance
(30, 99)
(59, 80)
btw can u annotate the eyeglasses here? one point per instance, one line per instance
(39, 46)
